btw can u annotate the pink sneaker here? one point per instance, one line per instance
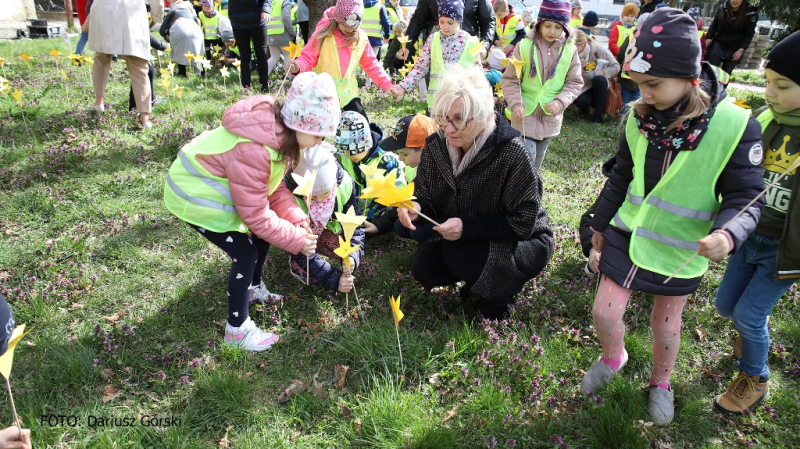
(248, 336)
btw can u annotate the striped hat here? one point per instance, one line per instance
(555, 11)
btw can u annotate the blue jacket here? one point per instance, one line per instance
(246, 14)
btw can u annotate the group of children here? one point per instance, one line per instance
(681, 191)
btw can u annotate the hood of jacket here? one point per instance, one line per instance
(254, 118)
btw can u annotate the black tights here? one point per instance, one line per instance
(247, 255)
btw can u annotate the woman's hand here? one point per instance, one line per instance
(519, 113)
(346, 283)
(594, 260)
(554, 107)
(407, 216)
(12, 437)
(402, 54)
(310, 247)
(451, 229)
(737, 55)
(266, 17)
(598, 241)
(716, 245)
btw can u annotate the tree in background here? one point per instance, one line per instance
(784, 12)
(315, 10)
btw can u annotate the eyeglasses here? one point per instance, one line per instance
(458, 125)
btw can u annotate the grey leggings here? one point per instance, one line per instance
(537, 149)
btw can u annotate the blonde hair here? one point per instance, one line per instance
(400, 27)
(580, 36)
(697, 103)
(471, 87)
(321, 33)
(500, 5)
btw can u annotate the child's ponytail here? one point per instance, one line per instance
(291, 150)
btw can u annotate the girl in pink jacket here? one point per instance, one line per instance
(338, 47)
(227, 184)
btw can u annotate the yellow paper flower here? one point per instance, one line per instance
(7, 359)
(398, 197)
(55, 53)
(165, 82)
(398, 314)
(17, 95)
(305, 184)
(4, 89)
(165, 72)
(224, 72)
(293, 49)
(410, 65)
(476, 48)
(171, 68)
(591, 65)
(378, 185)
(344, 250)
(2, 62)
(403, 71)
(75, 59)
(178, 90)
(236, 63)
(217, 48)
(88, 60)
(3, 83)
(25, 58)
(205, 63)
(189, 56)
(504, 62)
(349, 221)
(403, 41)
(518, 65)
(64, 75)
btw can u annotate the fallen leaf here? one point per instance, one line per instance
(109, 394)
(106, 374)
(339, 373)
(115, 317)
(77, 306)
(450, 413)
(346, 412)
(295, 387)
(248, 374)
(701, 334)
(225, 442)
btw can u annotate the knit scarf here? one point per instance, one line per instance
(533, 56)
(686, 136)
(791, 118)
(462, 160)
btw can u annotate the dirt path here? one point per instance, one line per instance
(750, 87)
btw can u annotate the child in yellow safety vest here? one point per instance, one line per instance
(333, 191)
(338, 47)
(549, 80)
(227, 184)
(623, 28)
(688, 163)
(575, 17)
(450, 45)
(510, 29)
(212, 23)
(761, 272)
(280, 31)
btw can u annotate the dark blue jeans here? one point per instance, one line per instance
(747, 294)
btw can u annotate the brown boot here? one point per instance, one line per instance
(743, 395)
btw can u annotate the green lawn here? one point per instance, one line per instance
(127, 305)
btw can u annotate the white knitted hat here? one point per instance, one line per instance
(319, 158)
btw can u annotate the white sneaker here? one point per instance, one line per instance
(248, 336)
(260, 293)
(662, 405)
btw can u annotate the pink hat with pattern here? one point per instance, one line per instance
(312, 105)
(349, 12)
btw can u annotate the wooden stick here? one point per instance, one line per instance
(17, 421)
(794, 166)
(308, 205)
(399, 348)
(411, 207)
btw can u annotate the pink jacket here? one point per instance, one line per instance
(311, 54)
(275, 218)
(539, 125)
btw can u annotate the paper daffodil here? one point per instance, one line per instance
(236, 63)
(171, 68)
(4, 89)
(165, 82)
(189, 56)
(293, 49)
(25, 58)
(165, 72)
(7, 359)
(178, 90)
(349, 221)
(398, 197)
(378, 185)
(2, 62)
(344, 250)
(3, 83)
(55, 53)
(403, 41)
(402, 71)
(410, 65)
(305, 184)
(518, 65)
(17, 95)
(205, 63)
(591, 65)
(370, 170)
(504, 62)
(75, 58)
(224, 72)
(64, 75)
(217, 49)
(476, 49)
(88, 60)
(398, 314)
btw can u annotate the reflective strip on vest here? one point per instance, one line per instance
(221, 189)
(466, 59)
(275, 25)
(624, 33)
(683, 205)
(509, 30)
(533, 92)
(346, 84)
(210, 26)
(371, 24)
(199, 201)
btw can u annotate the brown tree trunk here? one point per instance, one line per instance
(315, 10)
(68, 10)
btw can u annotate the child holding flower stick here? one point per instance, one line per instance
(333, 191)
(549, 81)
